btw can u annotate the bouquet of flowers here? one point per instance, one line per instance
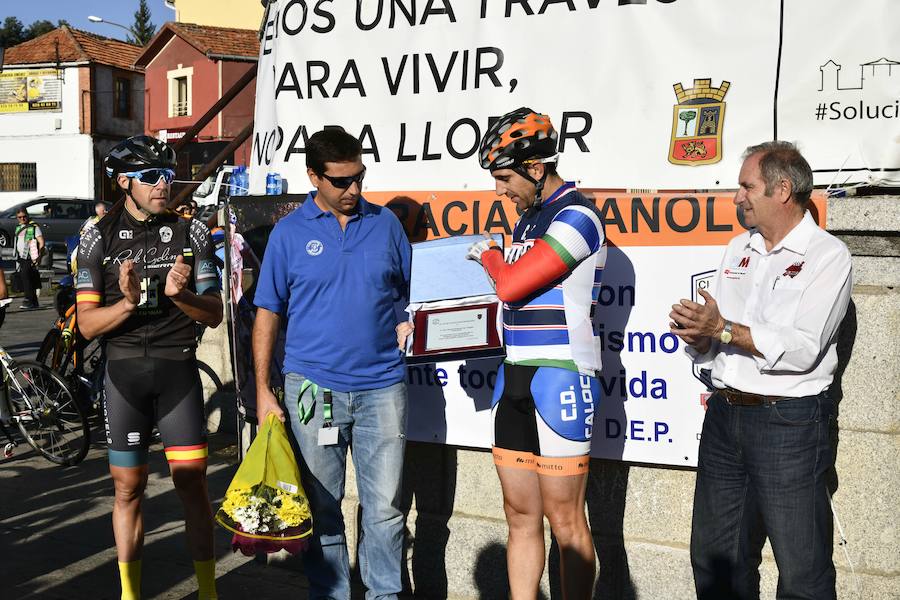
(265, 505)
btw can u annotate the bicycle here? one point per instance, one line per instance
(67, 352)
(44, 409)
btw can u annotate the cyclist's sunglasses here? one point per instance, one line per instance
(152, 176)
(342, 183)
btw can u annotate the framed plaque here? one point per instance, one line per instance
(458, 329)
(452, 303)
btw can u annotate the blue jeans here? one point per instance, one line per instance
(762, 471)
(373, 424)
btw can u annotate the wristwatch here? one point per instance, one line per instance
(725, 336)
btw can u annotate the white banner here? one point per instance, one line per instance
(840, 88)
(646, 94)
(662, 247)
(420, 96)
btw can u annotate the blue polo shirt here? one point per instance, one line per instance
(343, 293)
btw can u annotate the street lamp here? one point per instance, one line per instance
(94, 19)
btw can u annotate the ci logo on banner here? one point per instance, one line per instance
(702, 281)
(697, 122)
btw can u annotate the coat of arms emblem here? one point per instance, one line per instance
(697, 122)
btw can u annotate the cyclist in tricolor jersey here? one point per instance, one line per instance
(547, 388)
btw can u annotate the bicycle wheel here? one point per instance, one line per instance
(48, 415)
(48, 346)
(53, 352)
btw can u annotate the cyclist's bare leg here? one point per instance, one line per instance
(128, 520)
(563, 499)
(190, 483)
(525, 518)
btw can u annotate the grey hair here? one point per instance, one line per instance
(782, 160)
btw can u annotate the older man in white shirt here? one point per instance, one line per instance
(769, 336)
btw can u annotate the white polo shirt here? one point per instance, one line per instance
(793, 299)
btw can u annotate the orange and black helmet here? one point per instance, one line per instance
(517, 137)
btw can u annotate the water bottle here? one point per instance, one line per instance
(276, 183)
(238, 184)
(273, 184)
(245, 181)
(233, 181)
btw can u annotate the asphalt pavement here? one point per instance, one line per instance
(56, 536)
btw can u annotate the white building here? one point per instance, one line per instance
(66, 98)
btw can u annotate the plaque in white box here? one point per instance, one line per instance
(452, 303)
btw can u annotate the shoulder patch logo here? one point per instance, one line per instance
(165, 234)
(314, 247)
(84, 279)
(697, 122)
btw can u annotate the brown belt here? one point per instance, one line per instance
(739, 398)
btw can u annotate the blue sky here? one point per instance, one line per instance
(76, 13)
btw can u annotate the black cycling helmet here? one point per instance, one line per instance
(517, 138)
(137, 153)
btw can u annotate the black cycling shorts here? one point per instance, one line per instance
(543, 419)
(141, 392)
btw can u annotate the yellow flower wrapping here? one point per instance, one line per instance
(268, 475)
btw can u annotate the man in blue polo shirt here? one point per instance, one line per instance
(337, 269)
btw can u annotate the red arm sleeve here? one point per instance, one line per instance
(536, 269)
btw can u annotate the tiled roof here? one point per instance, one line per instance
(220, 41)
(214, 42)
(74, 46)
(107, 51)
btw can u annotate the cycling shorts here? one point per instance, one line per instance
(141, 392)
(543, 419)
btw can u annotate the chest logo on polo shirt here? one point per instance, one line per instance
(738, 267)
(793, 270)
(314, 247)
(165, 234)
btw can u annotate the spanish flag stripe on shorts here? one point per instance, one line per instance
(186, 453)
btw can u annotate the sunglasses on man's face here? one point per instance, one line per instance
(152, 176)
(342, 183)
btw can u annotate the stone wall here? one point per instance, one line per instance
(640, 515)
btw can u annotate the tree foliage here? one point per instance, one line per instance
(143, 28)
(40, 28)
(13, 31)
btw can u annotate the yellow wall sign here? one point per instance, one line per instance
(23, 91)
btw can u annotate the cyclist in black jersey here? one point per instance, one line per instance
(145, 277)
